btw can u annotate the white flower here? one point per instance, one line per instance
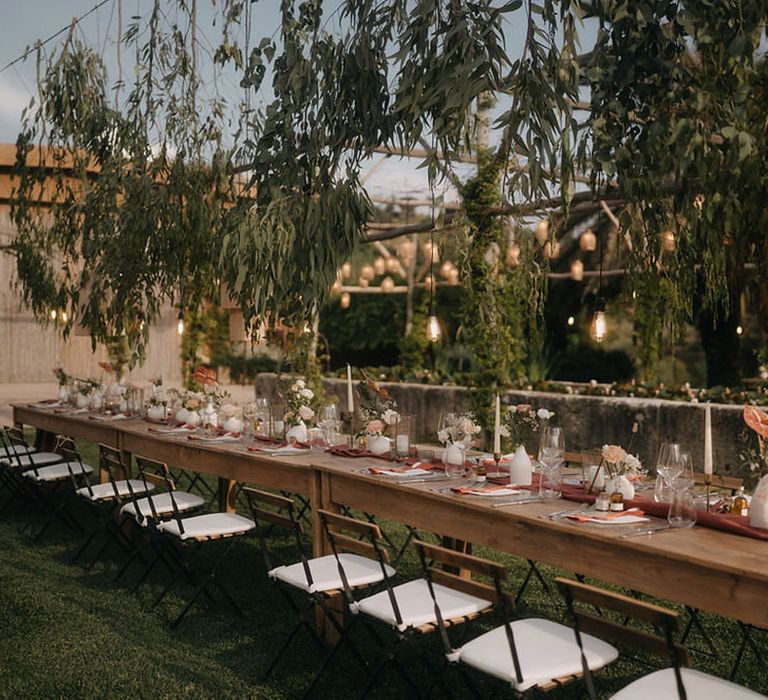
(593, 382)
(228, 410)
(390, 417)
(306, 393)
(632, 462)
(295, 388)
(442, 436)
(544, 414)
(512, 409)
(504, 431)
(301, 383)
(306, 413)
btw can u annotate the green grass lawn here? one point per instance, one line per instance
(69, 633)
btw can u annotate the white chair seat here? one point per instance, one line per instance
(546, 650)
(698, 686)
(360, 571)
(105, 492)
(38, 459)
(163, 504)
(57, 472)
(208, 526)
(416, 605)
(21, 450)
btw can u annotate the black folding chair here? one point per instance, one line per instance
(676, 681)
(185, 537)
(319, 580)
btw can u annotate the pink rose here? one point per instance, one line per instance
(306, 413)
(374, 426)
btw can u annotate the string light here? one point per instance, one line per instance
(345, 300)
(571, 320)
(599, 322)
(588, 241)
(433, 324)
(346, 270)
(739, 330)
(379, 265)
(577, 271)
(53, 315)
(180, 324)
(387, 285)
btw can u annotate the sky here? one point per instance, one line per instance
(25, 21)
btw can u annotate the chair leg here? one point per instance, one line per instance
(533, 570)
(695, 623)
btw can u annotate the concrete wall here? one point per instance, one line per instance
(589, 421)
(31, 350)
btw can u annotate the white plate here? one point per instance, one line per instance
(623, 520)
(493, 494)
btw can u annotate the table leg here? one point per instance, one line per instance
(227, 494)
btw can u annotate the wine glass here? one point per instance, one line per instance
(670, 463)
(447, 419)
(329, 415)
(551, 456)
(685, 479)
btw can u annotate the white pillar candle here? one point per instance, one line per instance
(350, 398)
(708, 439)
(402, 445)
(497, 428)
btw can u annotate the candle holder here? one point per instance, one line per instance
(496, 459)
(348, 419)
(708, 486)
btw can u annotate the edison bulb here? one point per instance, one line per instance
(345, 300)
(180, 326)
(577, 271)
(387, 285)
(379, 265)
(346, 270)
(433, 328)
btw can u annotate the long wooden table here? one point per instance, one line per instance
(715, 571)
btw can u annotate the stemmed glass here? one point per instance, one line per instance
(330, 422)
(551, 456)
(682, 512)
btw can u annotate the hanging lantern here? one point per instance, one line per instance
(599, 323)
(542, 231)
(363, 282)
(431, 252)
(513, 255)
(387, 285)
(445, 270)
(336, 287)
(345, 300)
(346, 270)
(668, 241)
(392, 265)
(453, 278)
(406, 252)
(577, 271)
(588, 241)
(429, 282)
(433, 328)
(367, 272)
(552, 249)
(379, 266)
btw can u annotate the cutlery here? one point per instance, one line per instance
(565, 513)
(518, 502)
(646, 531)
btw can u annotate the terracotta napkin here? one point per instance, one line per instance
(591, 517)
(491, 489)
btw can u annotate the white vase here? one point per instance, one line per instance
(193, 418)
(758, 507)
(453, 454)
(97, 401)
(156, 412)
(296, 433)
(377, 444)
(622, 484)
(521, 467)
(235, 425)
(182, 416)
(63, 393)
(83, 401)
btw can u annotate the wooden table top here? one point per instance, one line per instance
(716, 571)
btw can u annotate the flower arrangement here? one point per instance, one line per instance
(520, 423)
(61, 376)
(619, 462)
(377, 407)
(461, 431)
(754, 457)
(299, 397)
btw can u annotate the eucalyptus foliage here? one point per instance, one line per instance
(158, 202)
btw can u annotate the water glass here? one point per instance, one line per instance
(402, 430)
(551, 456)
(682, 512)
(317, 439)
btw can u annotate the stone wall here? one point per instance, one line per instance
(589, 421)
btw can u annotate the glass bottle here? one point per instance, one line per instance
(617, 501)
(480, 472)
(740, 504)
(603, 501)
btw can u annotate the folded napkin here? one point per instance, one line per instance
(400, 471)
(489, 490)
(72, 411)
(297, 449)
(173, 430)
(49, 403)
(354, 452)
(624, 517)
(111, 417)
(226, 437)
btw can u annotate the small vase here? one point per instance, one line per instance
(521, 468)
(83, 401)
(235, 425)
(182, 416)
(622, 484)
(63, 393)
(156, 412)
(377, 444)
(296, 433)
(453, 459)
(758, 508)
(97, 401)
